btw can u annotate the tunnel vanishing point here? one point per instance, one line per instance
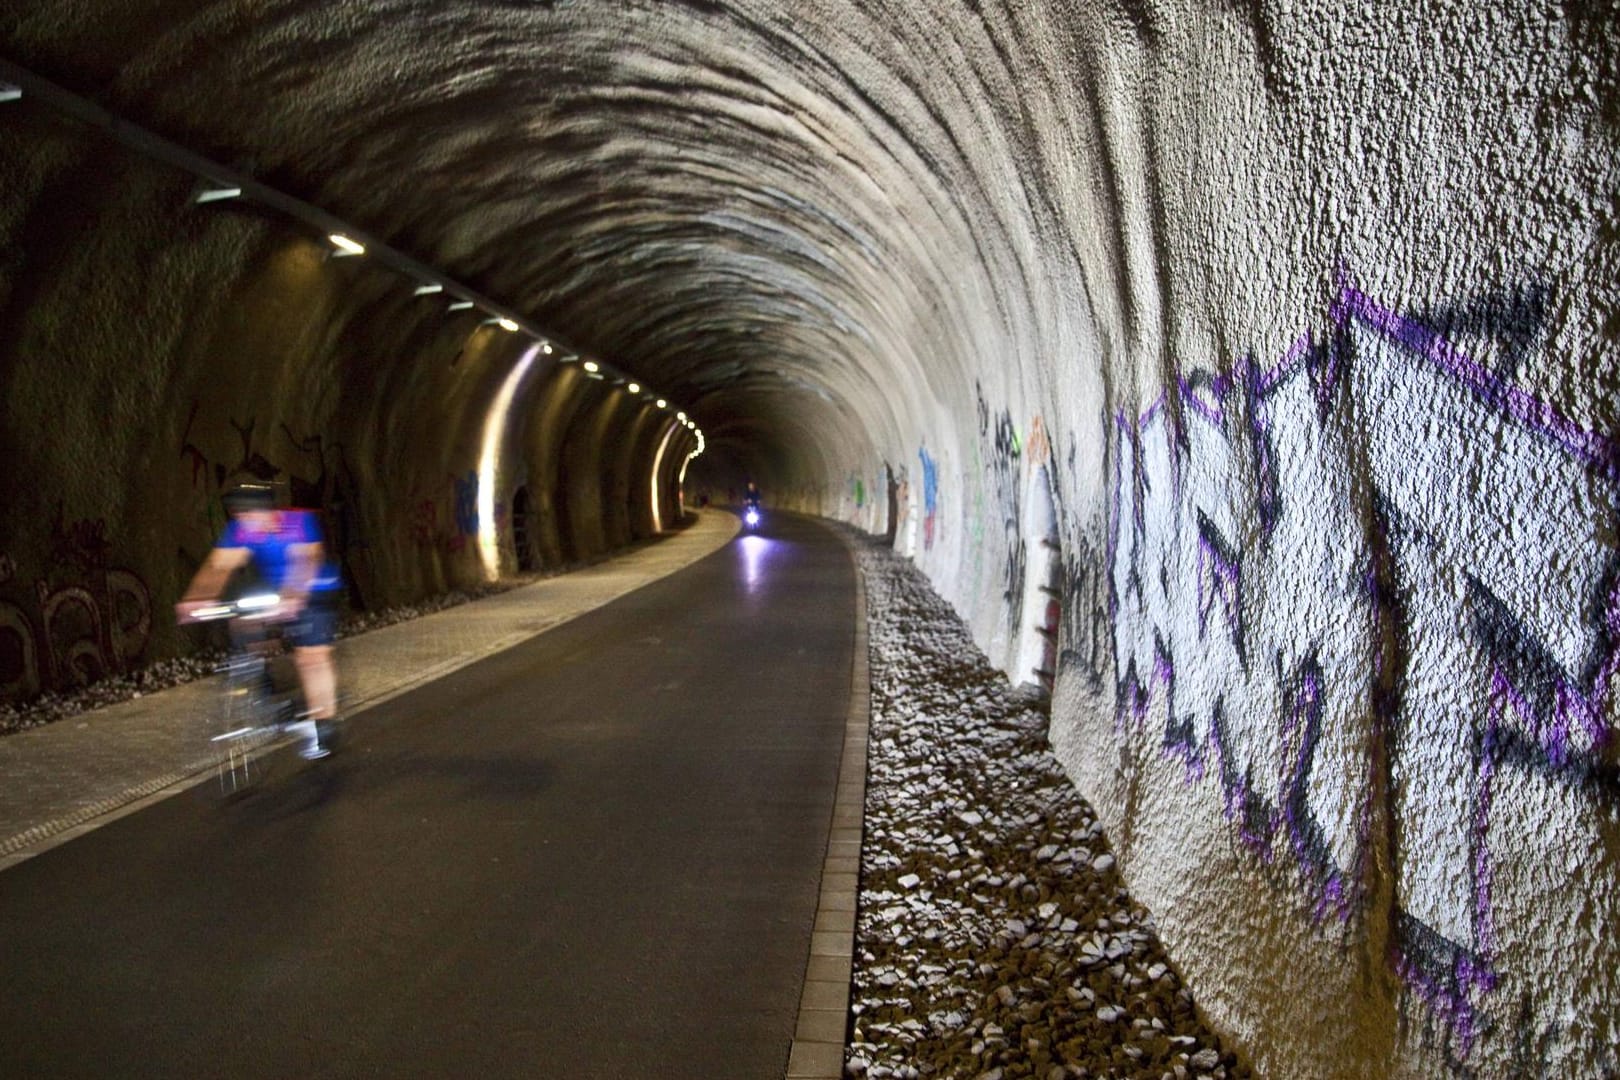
(1243, 372)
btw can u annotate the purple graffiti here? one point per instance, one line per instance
(1220, 577)
(467, 503)
(1433, 519)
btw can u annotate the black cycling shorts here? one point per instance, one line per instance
(317, 623)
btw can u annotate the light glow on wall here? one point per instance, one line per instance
(658, 464)
(489, 541)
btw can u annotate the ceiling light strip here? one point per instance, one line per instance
(219, 183)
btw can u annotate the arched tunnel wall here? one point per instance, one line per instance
(1318, 354)
(153, 353)
(1244, 372)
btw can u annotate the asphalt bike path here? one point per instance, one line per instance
(596, 853)
(61, 780)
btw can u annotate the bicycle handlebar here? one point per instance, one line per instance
(252, 606)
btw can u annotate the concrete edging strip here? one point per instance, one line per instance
(817, 1051)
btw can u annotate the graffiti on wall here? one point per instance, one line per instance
(333, 490)
(1006, 452)
(82, 620)
(930, 482)
(1087, 630)
(1367, 583)
(447, 520)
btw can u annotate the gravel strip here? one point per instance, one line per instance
(994, 938)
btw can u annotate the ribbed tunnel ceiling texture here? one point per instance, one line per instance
(771, 213)
(1243, 372)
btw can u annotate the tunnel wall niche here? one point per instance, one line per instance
(154, 352)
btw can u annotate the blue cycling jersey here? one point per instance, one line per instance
(269, 547)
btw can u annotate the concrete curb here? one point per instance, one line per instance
(817, 1052)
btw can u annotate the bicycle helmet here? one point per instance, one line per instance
(249, 496)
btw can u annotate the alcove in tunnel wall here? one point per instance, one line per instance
(1308, 310)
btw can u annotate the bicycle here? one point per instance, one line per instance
(256, 713)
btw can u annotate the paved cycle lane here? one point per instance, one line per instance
(595, 854)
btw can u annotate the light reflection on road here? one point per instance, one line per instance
(756, 553)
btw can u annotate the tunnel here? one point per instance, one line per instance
(1242, 373)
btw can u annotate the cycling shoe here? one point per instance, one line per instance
(328, 736)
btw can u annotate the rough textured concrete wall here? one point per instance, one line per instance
(1355, 724)
(1291, 326)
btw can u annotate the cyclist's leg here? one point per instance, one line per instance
(317, 670)
(317, 674)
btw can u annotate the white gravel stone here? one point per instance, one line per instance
(1021, 925)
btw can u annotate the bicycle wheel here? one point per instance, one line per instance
(246, 725)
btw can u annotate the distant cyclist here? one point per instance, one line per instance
(751, 496)
(283, 546)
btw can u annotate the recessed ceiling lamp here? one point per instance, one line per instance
(345, 246)
(10, 91)
(634, 388)
(429, 290)
(212, 192)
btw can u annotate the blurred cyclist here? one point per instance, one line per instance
(283, 546)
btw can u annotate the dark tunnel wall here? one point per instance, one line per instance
(154, 352)
(1266, 353)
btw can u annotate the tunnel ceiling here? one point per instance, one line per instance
(737, 202)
